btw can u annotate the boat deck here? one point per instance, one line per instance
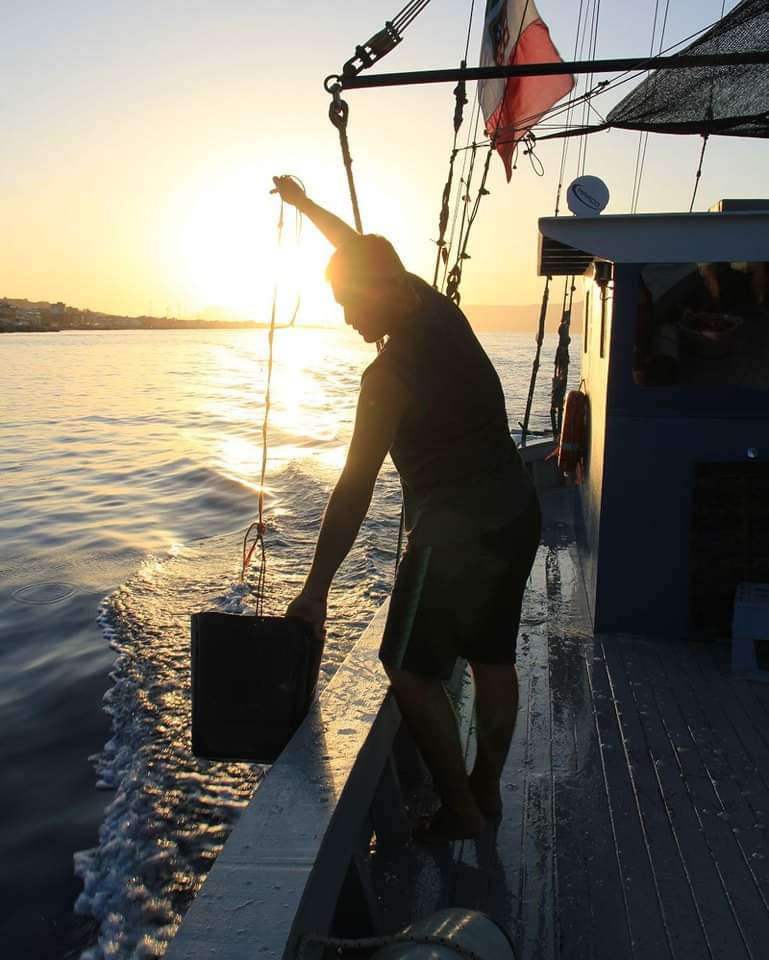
(636, 796)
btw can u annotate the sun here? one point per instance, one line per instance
(225, 253)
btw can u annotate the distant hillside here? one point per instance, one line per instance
(483, 317)
(489, 318)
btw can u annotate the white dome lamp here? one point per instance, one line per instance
(587, 196)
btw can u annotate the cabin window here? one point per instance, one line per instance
(703, 325)
(586, 325)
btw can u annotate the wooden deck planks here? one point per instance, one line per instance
(682, 782)
(536, 930)
(637, 789)
(636, 796)
(718, 769)
(573, 765)
(648, 936)
(647, 750)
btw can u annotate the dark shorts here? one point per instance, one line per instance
(463, 599)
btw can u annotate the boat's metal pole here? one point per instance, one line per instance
(679, 62)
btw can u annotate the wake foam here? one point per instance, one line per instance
(172, 812)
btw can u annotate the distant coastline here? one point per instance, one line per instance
(133, 323)
(26, 316)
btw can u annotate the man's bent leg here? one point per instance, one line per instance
(496, 707)
(428, 714)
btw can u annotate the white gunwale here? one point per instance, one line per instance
(313, 807)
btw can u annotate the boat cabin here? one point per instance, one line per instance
(674, 498)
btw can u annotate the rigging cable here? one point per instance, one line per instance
(454, 277)
(455, 274)
(605, 86)
(561, 361)
(558, 385)
(589, 79)
(378, 46)
(643, 138)
(460, 98)
(462, 195)
(569, 114)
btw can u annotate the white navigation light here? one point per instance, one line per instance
(587, 196)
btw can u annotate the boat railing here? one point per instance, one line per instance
(299, 847)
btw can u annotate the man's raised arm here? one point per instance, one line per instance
(336, 231)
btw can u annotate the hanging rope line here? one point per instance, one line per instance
(698, 174)
(569, 114)
(460, 102)
(561, 363)
(455, 274)
(560, 378)
(463, 187)
(338, 114)
(535, 366)
(454, 277)
(592, 45)
(443, 219)
(462, 193)
(253, 540)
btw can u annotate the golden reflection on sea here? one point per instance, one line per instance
(315, 378)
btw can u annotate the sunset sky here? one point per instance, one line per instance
(139, 139)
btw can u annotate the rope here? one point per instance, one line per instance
(339, 113)
(454, 277)
(455, 274)
(643, 139)
(254, 536)
(378, 46)
(460, 197)
(561, 362)
(460, 98)
(408, 14)
(592, 45)
(535, 366)
(569, 113)
(698, 174)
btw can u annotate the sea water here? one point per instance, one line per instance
(130, 464)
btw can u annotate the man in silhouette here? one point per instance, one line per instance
(433, 400)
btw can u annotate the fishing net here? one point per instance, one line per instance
(731, 100)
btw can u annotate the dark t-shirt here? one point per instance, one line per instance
(461, 473)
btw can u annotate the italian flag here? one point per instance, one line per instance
(515, 34)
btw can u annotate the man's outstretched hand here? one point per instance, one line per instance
(289, 190)
(312, 609)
